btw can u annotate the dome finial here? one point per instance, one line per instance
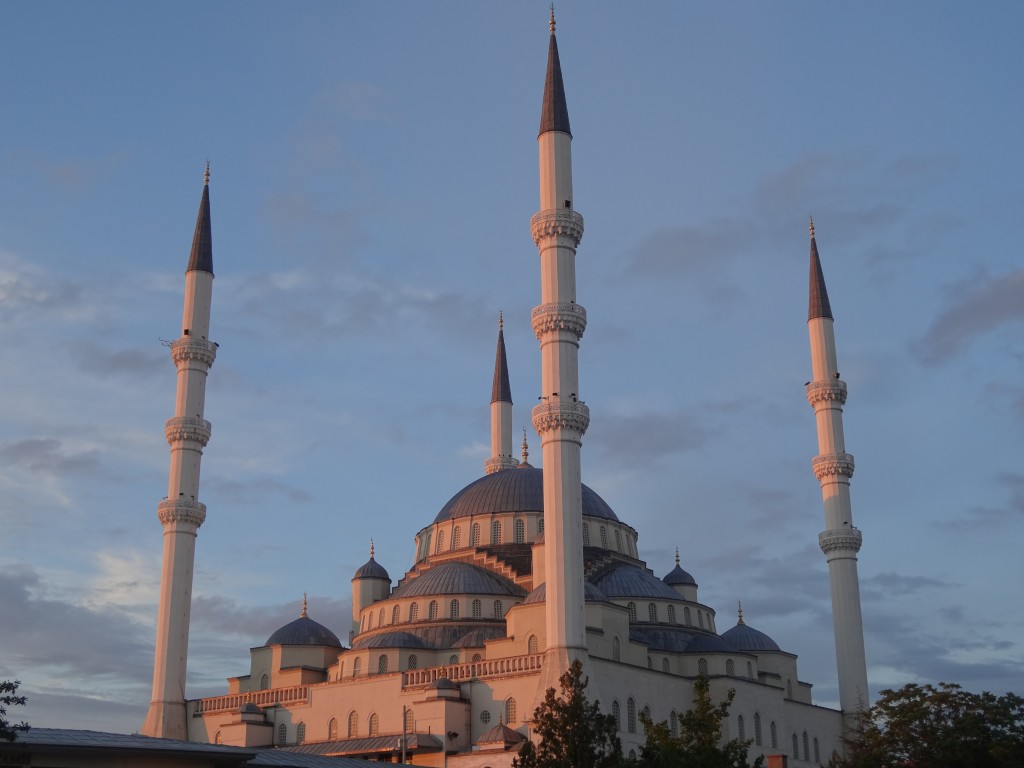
(526, 448)
(206, 174)
(371, 549)
(551, 24)
(811, 225)
(501, 320)
(739, 608)
(677, 556)
(305, 606)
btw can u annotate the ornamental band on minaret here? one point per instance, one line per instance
(560, 418)
(181, 513)
(833, 466)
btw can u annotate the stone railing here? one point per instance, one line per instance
(474, 670)
(260, 698)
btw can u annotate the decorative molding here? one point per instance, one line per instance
(827, 464)
(826, 391)
(188, 349)
(557, 222)
(172, 511)
(192, 428)
(498, 463)
(840, 539)
(570, 317)
(571, 417)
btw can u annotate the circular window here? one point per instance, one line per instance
(485, 717)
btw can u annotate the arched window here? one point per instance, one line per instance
(382, 664)
(604, 537)
(616, 714)
(282, 734)
(300, 733)
(730, 667)
(774, 734)
(380, 619)
(807, 748)
(630, 715)
(757, 728)
(395, 615)
(673, 723)
(646, 712)
(632, 612)
(217, 739)
(440, 543)
(410, 721)
(687, 620)
(341, 669)
(426, 544)
(616, 649)
(519, 532)
(414, 612)
(369, 620)
(457, 537)
(374, 725)
(702, 667)
(477, 657)
(453, 609)
(741, 730)
(817, 751)
(700, 619)
(586, 534)
(750, 670)
(499, 613)
(665, 665)
(789, 689)
(474, 535)
(496, 532)
(264, 682)
(531, 644)
(796, 748)
(353, 724)
(414, 662)
(453, 659)
(618, 541)
(332, 728)
(632, 755)
(432, 610)
(650, 663)
(355, 666)
(510, 712)
(478, 609)
(485, 717)
(671, 614)
(652, 612)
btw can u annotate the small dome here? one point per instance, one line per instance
(501, 734)
(457, 578)
(250, 709)
(371, 569)
(443, 684)
(520, 489)
(678, 576)
(624, 580)
(590, 593)
(393, 640)
(304, 631)
(744, 638)
(477, 638)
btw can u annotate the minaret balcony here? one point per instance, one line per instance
(572, 417)
(188, 349)
(826, 391)
(840, 540)
(498, 463)
(181, 510)
(187, 428)
(558, 222)
(832, 464)
(569, 317)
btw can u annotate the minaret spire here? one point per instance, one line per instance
(501, 409)
(833, 466)
(560, 418)
(181, 513)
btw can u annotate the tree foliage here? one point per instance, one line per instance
(9, 698)
(921, 726)
(698, 744)
(572, 730)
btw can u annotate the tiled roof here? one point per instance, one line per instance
(625, 580)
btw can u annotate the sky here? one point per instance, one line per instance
(374, 171)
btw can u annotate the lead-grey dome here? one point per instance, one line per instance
(393, 640)
(454, 578)
(744, 638)
(520, 489)
(590, 593)
(678, 576)
(304, 631)
(625, 580)
(371, 569)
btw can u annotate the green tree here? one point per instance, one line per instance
(921, 726)
(698, 744)
(573, 732)
(8, 698)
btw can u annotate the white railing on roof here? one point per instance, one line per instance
(260, 698)
(474, 670)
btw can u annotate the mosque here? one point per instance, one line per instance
(521, 572)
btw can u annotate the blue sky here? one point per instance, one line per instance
(374, 172)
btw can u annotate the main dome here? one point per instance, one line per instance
(520, 489)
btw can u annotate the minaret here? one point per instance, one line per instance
(560, 419)
(181, 513)
(501, 410)
(833, 466)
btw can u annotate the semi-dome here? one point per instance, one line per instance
(744, 638)
(520, 489)
(304, 631)
(590, 593)
(393, 640)
(624, 580)
(454, 578)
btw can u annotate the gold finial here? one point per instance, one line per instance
(371, 549)
(739, 606)
(501, 319)
(206, 174)
(305, 605)
(811, 227)
(551, 24)
(677, 557)
(526, 450)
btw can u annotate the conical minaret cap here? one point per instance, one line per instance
(501, 390)
(819, 305)
(554, 114)
(201, 258)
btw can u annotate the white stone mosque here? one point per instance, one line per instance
(521, 572)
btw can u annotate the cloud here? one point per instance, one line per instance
(28, 293)
(106, 363)
(225, 616)
(682, 252)
(987, 515)
(637, 440)
(977, 309)
(887, 584)
(237, 492)
(48, 456)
